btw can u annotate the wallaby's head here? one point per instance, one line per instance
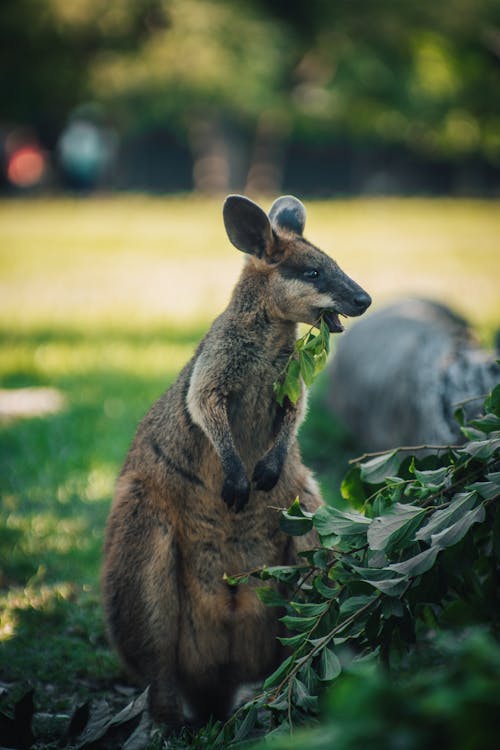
(303, 282)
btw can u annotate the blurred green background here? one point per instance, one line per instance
(321, 97)
(383, 117)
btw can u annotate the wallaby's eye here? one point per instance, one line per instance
(310, 273)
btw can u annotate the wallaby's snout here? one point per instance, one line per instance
(348, 299)
(304, 283)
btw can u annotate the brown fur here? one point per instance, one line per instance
(171, 536)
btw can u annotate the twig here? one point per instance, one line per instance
(317, 325)
(481, 397)
(404, 448)
(322, 642)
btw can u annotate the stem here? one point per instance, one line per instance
(453, 486)
(304, 579)
(482, 396)
(292, 355)
(252, 572)
(323, 642)
(374, 494)
(404, 448)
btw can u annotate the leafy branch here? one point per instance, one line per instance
(416, 552)
(308, 358)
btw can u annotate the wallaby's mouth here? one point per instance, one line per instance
(331, 318)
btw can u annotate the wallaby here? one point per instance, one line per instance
(210, 463)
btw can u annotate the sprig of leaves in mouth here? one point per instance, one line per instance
(307, 360)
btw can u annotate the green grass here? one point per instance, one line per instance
(104, 300)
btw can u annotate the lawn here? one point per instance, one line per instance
(103, 300)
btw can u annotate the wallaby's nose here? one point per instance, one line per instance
(362, 300)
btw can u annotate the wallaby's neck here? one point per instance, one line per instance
(253, 303)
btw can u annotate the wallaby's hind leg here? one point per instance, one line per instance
(140, 590)
(214, 698)
(164, 702)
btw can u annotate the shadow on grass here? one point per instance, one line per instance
(56, 481)
(57, 472)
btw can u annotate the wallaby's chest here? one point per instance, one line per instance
(228, 543)
(253, 416)
(254, 365)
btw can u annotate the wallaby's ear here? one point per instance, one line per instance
(247, 225)
(288, 213)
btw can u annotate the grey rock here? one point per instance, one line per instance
(399, 375)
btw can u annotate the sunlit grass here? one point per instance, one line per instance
(104, 300)
(141, 259)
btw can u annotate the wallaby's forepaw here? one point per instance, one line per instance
(236, 491)
(267, 472)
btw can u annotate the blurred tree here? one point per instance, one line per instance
(224, 74)
(213, 73)
(46, 49)
(424, 75)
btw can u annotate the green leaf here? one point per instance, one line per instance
(279, 673)
(279, 392)
(492, 403)
(328, 592)
(392, 608)
(380, 467)
(471, 433)
(328, 520)
(329, 665)
(486, 490)
(297, 510)
(243, 730)
(442, 519)
(235, 580)
(284, 573)
(373, 574)
(389, 586)
(292, 622)
(279, 704)
(418, 564)
(295, 526)
(270, 597)
(488, 423)
(302, 697)
(395, 527)
(352, 489)
(325, 335)
(320, 361)
(432, 479)
(458, 530)
(306, 363)
(355, 603)
(314, 344)
(296, 521)
(383, 579)
(482, 449)
(291, 383)
(292, 640)
(321, 558)
(310, 610)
